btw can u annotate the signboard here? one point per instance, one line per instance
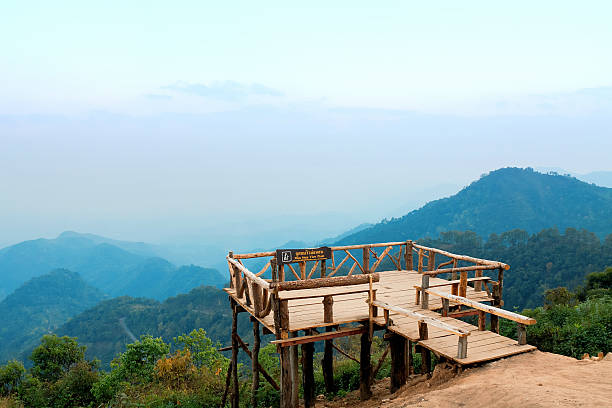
(285, 256)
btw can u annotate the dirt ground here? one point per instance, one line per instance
(534, 379)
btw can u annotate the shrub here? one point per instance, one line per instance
(11, 375)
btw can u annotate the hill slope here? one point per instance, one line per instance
(41, 305)
(535, 379)
(103, 328)
(503, 200)
(110, 268)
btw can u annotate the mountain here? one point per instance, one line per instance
(500, 201)
(111, 268)
(41, 305)
(106, 328)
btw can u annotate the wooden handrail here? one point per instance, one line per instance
(325, 282)
(463, 257)
(429, 320)
(461, 269)
(506, 314)
(336, 248)
(261, 282)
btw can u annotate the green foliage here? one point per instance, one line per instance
(11, 375)
(54, 357)
(203, 352)
(138, 361)
(100, 329)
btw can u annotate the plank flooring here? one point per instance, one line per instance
(396, 288)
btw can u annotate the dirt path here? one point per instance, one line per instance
(535, 379)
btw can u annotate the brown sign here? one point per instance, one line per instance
(285, 256)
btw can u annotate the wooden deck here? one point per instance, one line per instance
(396, 288)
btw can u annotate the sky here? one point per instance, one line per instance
(250, 124)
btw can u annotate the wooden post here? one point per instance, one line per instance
(445, 307)
(454, 274)
(522, 334)
(302, 270)
(255, 362)
(327, 364)
(410, 358)
(463, 284)
(482, 320)
(284, 353)
(231, 269)
(500, 286)
(431, 261)
(494, 317)
(235, 401)
(424, 294)
(478, 284)
(408, 256)
(398, 361)
(462, 347)
(365, 367)
(323, 268)
(366, 259)
(420, 262)
(295, 375)
(425, 354)
(308, 374)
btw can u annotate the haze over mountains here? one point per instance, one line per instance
(114, 267)
(510, 203)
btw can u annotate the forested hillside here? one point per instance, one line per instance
(111, 269)
(103, 328)
(503, 200)
(40, 306)
(539, 261)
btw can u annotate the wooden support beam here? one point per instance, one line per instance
(295, 376)
(308, 383)
(286, 397)
(255, 363)
(327, 364)
(328, 309)
(245, 347)
(235, 401)
(365, 367)
(431, 261)
(350, 331)
(381, 360)
(398, 361)
(478, 284)
(410, 358)
(522, 334)
(425, 353)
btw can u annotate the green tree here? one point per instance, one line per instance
(54, 357)
(203, 351)
(11, 375)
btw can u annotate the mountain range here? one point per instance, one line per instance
(40, 306)
(500, 201)
(114, 267)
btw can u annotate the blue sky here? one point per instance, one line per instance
(169, 121)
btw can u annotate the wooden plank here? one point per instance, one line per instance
(318, 337)
(324, 282)
(506, 314)
(428, 320)
(325, 291)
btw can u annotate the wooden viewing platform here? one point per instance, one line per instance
(320, 294)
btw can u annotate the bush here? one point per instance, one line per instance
(11, 375)
(54, 357)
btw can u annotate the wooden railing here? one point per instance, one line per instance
(356, 262)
